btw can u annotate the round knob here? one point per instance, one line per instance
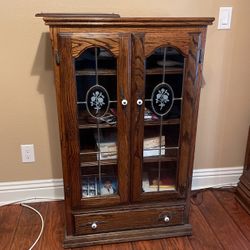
(166, 219)
(139, 102)
(124, 102)
(93, 225)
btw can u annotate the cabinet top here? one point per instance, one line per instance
(109, 20)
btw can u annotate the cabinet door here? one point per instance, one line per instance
(164, 105)
(95, 87)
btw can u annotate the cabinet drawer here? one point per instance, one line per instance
(122, 220)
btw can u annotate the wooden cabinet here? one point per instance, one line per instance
(243, 188)
(127, 95)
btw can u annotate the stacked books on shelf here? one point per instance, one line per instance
(151, 146)
(108, 146)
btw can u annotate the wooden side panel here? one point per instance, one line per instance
(70, 143)
(247, 157)
(191, 92)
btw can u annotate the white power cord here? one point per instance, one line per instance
(37, 212)
(42, 223)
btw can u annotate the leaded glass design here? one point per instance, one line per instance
(97, 101)
(163, 99)
(96, 83)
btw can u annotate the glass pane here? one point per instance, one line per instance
(163, 99)
(96, 82)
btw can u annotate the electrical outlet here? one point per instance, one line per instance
(28, 153)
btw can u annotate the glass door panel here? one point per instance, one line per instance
(163, 101)
(96, 80)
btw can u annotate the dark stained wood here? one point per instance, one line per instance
(52, 237)
(176, 243)
(29, 226)
(9, 219)
(175, 38)
(148, 245)
(83, 21)
(110, 221)
(81, 15)
(137, 114)
(89, 72)
(130, 41)
(243, 189)
(247, 156)
(206, 233)
(168, 71)
(220, 222)
(80, 42)
(119, 246)
(203, 236)
(235, 210)
(189, 114)
(88, 248)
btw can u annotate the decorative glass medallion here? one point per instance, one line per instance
(97, 101)
(162, 99)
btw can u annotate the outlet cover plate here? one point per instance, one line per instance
(28, 153)
(225, 17)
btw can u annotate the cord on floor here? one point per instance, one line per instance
(194, 194)
(42, 223)
(34, 210)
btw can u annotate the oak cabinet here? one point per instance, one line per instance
(127, 97)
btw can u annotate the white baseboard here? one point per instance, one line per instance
(31, 191)
(216, 177)
(52, 189)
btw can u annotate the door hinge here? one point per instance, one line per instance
(57, 57)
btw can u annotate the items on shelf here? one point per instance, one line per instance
(166, 181)
(108, 146)
(149, 115)
(92, 187)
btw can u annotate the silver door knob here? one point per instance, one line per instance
(124, 102)
(93, 225)
(166, 219)
(139, 102)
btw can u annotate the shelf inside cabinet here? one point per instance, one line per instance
(95, 163)
(168, 71)
(92, 72)
(93, 125)
(164, 122)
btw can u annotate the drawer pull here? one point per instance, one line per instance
(93, 225)
(139, 102)
(166, 219)
(124, 102)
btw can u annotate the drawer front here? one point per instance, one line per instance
(122, 220)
